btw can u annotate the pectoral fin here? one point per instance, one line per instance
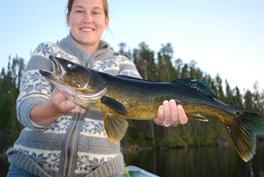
(198, 117)
(114, 104)
(115, 127)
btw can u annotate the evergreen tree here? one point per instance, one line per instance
(194, 71)
(248, 100)
(237, 97)
(145, 62)
(165, 68)
(178, 65)
(229, 98)
(9, 82)
(220, 92)
(124, 51)
(185, 72)
(258, 102)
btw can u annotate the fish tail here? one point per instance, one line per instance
(244, 133)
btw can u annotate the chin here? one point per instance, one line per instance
(88, 43)
(86, 40)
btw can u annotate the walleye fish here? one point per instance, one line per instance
(122, 97)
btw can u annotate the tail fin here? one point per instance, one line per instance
(244, 133)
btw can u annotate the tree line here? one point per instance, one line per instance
(156, 66)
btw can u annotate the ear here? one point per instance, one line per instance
(106, 22)
(68, 19)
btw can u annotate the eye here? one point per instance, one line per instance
(96, 13)
(78, 11)
(70, 67)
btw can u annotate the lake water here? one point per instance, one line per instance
(198, 162)
(194, 162)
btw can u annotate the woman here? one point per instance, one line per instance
(60, 138)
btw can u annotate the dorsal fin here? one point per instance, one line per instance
(136, 79)
(130, 77)
(197, 85)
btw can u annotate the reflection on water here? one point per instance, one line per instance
(198, 162)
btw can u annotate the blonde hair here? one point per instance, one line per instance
(105, 6)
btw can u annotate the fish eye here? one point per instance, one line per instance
(69, 65)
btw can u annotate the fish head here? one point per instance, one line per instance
(75, 79)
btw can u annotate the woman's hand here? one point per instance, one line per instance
(58, 104)
(170, 114)
(61, 103)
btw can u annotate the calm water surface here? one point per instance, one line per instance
(198, 162)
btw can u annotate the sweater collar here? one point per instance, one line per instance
(72, 47)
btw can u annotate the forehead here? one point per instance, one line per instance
(88, 3)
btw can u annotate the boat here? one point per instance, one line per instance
(134, 171)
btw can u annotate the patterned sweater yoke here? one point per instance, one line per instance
(74, 144)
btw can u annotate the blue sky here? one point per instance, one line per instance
(225, 37)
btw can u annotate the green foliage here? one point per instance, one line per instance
(166, 71)
(144, 60)
(9, 80)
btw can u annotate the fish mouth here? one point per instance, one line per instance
(58, 68)
(45, 73)
(49, 76)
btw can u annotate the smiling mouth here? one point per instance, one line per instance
(87, 29)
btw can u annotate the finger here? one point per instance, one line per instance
(159, 119)
(158, 122)
(56, 91)
(174, 113)
(67, 93)
(57, 100)
(167, 113)
(76, 109)
(83, 111)
(57, 97)
(160, 113)
(68, 106)
(182, 115)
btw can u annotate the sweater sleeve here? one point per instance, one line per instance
(34, 88)
(127, 67)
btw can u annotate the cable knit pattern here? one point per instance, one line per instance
(74, 144)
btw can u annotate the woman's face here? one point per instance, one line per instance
(87, 22)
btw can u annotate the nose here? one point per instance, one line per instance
(88, 17)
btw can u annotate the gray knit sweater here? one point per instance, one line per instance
(74, 144)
